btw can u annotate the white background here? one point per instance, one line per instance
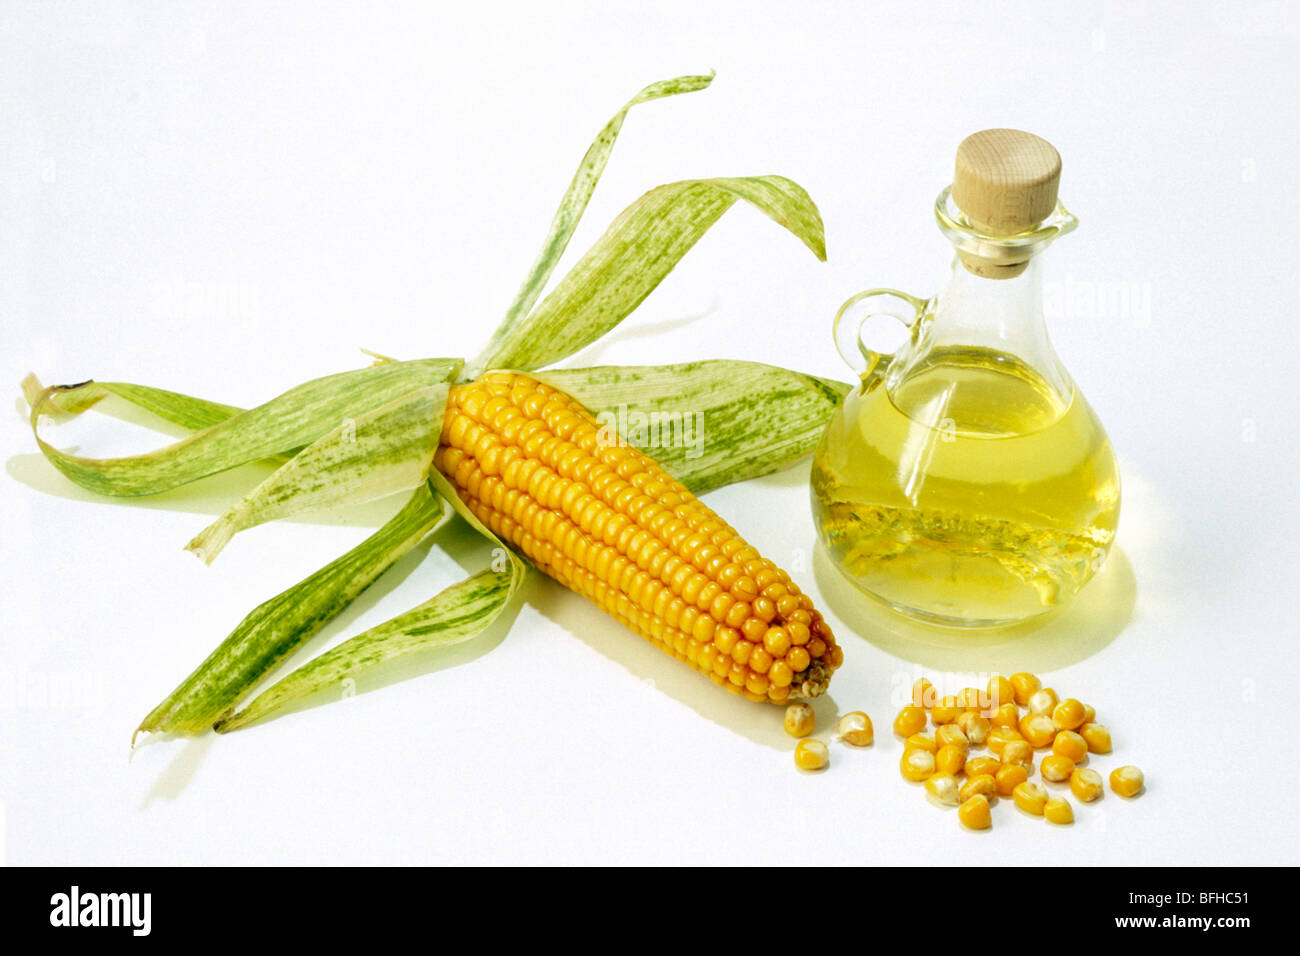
(228, 203)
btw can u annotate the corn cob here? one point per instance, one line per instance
(605, 520)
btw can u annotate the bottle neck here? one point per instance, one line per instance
(1002, 316)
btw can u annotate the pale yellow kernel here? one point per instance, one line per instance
(1127, 781)
(1043, 702)
(1058, 810)
(1069, 744)
(1038, 729)
(1018, 751)
(1030, 797)
(982, 783)
(1068, 714)
(974, 813)
(950, 759)
(1009, 777)
(1001, 691)
(941, 789)
(1086, 784)
(1056, 768)
(855, 729)
(975, 726)
(945, 711)
(916, 764)
(811, 754)
(799, 719)
(910, 720)
(923, 694)
(1096, 736)
(922, 741)
(1025, 686)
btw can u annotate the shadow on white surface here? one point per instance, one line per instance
(1089, 623)
(178, 774)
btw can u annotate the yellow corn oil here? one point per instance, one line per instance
(973, 495)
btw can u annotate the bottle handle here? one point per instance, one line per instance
(888, 303)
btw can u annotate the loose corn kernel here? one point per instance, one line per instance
(1001, 691)
(981, 765)
(975, 726)
(910, 720)
(855, 729)
(1089, 715)
(1069, 744)
(945, 711)
(971, 698)
(922, 741)
(1086, 784)
(916, 764)
(999, 737)
(1056, 768)
(1024, 685)
(1043, 701)
(950, 735)
(1096, 736)
(974, 813)
(1007, 715)
(1030, 797)
(811, 754)
(799, 719)
(1068, 714)
(950, 759)
(1038, 729)
(1127, 781)
(941, 789)
(923, 694)
(1018, 751)
(1058, 810)
(982, 783)
(1009, 777)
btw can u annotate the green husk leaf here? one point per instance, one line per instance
(187, 411)
(574, 204)
(638, 250)
(298, 417)
(279, 626)
(454, 616)
(385, 450)
(709, 423)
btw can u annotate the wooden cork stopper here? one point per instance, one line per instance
(1005, 183)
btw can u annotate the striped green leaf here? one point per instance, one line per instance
(385, 450)
(277, 628)
(298, 417)
(454, 616)
(638, 250)
(709, 423)
(187, 411)
(571, 209)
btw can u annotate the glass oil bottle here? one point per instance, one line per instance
(966, 481)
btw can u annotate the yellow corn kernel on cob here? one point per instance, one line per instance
(605, 520)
